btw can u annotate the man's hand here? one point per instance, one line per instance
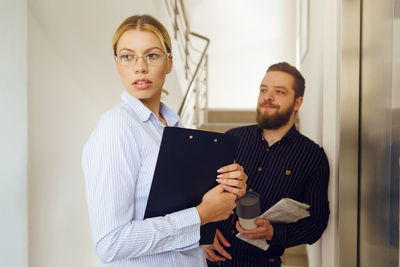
(264, 230)
(216, 205)
(233, 178)
(219, 240)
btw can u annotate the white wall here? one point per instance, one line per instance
(319, 118)
(246, 37)
(13, 134)
(310, 114)
(72, 80)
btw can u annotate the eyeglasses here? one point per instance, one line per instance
(130, 59)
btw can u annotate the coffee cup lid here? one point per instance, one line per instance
(248, 206)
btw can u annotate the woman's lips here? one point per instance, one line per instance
(141, 84)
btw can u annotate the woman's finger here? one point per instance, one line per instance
(230, 167)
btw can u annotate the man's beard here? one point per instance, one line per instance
(274, 121)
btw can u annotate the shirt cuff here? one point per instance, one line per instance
(195, 245)
(280, 235)
(188, 229)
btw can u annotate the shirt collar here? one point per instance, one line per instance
(144, 112)
(169, 115)
(289, 136)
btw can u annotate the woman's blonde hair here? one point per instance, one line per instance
(143, 23)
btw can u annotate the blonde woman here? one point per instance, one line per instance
(120, 157)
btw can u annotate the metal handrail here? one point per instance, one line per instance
(197, 64)
(196, 71)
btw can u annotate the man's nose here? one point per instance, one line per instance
(269, 96)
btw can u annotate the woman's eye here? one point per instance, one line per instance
(153, 56)
(127, 57)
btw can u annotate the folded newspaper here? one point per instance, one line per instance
(285, 210)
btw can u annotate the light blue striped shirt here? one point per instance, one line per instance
(119, 161)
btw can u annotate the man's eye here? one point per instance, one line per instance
(126, 57)
(152, 56)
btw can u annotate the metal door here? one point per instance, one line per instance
(379, 142)
(370, 134)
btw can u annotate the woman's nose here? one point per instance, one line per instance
(141, 65)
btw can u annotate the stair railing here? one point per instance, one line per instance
(192, 48)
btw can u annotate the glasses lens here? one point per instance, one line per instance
(131, 59)
(154, 58)
(126, 59)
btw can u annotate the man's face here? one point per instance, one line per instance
(277, 104)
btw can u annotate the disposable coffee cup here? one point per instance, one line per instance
(248, 209)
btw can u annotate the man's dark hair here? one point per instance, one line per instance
(299, 83)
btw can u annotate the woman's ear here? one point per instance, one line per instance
(170, 64)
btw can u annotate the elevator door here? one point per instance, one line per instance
(379, 134)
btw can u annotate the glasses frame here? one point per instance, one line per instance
(145, 59)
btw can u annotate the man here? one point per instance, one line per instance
(280, 163)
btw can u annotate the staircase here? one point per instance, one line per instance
(221, 120)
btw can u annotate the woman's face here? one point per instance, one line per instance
(142, 80)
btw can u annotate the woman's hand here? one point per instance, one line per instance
(233, 179)
(216, 205)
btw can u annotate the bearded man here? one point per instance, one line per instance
(280, 163)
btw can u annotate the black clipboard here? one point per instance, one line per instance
(186, 169)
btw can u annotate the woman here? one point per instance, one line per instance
(120, 157)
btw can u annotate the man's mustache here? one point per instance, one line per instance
(269, 104)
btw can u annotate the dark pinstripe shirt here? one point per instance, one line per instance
(295, 167)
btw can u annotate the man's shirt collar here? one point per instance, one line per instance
(289, 136)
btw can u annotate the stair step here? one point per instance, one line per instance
(221, 127)
(231, 116)
(295, 257)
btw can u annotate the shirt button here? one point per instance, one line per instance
(259, 169)
(267, 149)
(233, 232)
